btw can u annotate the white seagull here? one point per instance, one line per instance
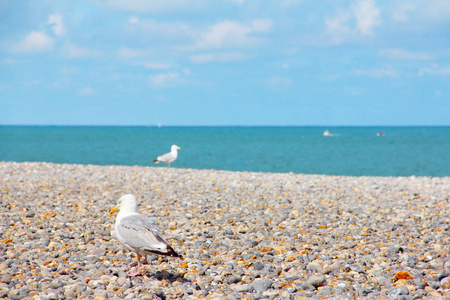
(168, 157)
(139, 233)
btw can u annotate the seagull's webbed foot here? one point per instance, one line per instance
(138, 263)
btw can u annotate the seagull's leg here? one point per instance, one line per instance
(168, 164)
(139, 266)
(134, 264)
(144, 261)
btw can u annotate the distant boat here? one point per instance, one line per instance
(159, 125)
(327, 133)
(381, 133)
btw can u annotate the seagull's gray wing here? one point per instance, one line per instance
(168, 157)
(141, 233)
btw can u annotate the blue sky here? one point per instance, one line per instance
(230, 62)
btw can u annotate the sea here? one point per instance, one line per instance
(352, 151)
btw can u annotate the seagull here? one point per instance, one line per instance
(168, 157)
(139, 233)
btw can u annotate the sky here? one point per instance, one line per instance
(225, 62)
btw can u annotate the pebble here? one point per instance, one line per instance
(257, 265)
(261, 285)
(398, 293)
(235, 279)
(317, 280)
(242, 234)
(307, 286)
(241, 287)
(314, 266)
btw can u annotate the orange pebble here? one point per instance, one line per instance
(402, 275)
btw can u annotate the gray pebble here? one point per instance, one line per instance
(52, 296)
(447, 266)
(317, 280)
(261, 285)
(235, 279)
(314, 267)
(306, 286)
(45, 242)
(257, 265)
(241, 288)
(398, 293)
(72, 290)
(326, 291)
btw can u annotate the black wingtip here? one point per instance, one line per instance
(173, 253)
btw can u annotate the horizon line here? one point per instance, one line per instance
(162, 126)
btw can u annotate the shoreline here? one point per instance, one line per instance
(243, 234)
(216, 170)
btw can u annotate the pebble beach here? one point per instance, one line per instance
(243, 235)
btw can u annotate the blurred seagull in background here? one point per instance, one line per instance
(168, 157)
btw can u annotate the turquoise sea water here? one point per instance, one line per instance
(356, 151)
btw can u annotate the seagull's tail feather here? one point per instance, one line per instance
(156, 161)
(169, 252)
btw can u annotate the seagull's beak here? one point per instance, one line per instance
(178, 148)
(112, 211)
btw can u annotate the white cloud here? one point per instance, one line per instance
(34, 42)
(367, 16)
(156, 66)
(402, 11)
(133, 20)
(435, 70)
(132, 53)
(437, 10)
(262, 25)
(358, 20)
(204, 58)
(175, 31)
(288, 3)
(156, 6)
(72, 51)
(279, 81)
(65, 70)
(419, 10)
(377, 73)
(218, 57)
(225, 34)
(10, 61)
(58, 26)
(238, 2)
(165, 79)
(353, 91)
(401, 54)
(87, 91)
(338, 26)
(229, 34)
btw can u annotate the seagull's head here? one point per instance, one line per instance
(126, 203)
(175, 147)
